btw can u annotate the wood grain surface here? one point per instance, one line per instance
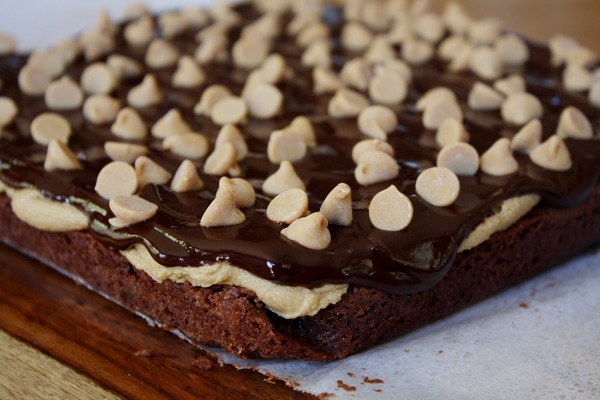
(59, 340)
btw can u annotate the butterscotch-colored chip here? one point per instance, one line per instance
(356, 73)
(574, 124)
(460, 158)
(285, 144)
(390, 210)
(438, 186)
(170, 124)
(283, 179)
(552, 154)
(374, 167)
(451, 131)
(528, 137)
(123, 151)
(145, 94)
(148, 172)
(417, 52)
(337, 206)
(498, 160)
(510, 85)
(63, 94)
(288, 206)
(302, 127)
(355, 36)
(439, 111)
(366, 145)
(229, 133)
(117, 178)
(130, 210)
(139, 32)
(222, 161)
(101, 109)
(377, 121)
(577, 78)
(188, 73)
(98, 78)
(59, 156)
(264, 101)
(346, 103)
(33, 80)
(48, 126)
(520, 108)
(222, 211)
(186, 178)
(484, 98)
(512, 50)
(325, 81)
(317, 54)
(388, 88)
(129, 125)
(8, 111)
(124, 67)
(186, 144)
(310, 232)
(244, 193)
(486, 63)
(229, 110)
(209, 98)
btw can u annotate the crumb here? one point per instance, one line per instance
(441, 352)
(202, 362)
(369, 380)
(325, 396)
(407, 350)
(143, 353)
(378, 390)
(350, 374)
(524, 305)
(346, 387)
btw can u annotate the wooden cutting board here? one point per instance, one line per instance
(108, 352)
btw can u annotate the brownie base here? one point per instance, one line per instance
(233, 318)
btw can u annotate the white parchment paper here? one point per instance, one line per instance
(540, 340)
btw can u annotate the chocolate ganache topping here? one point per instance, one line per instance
(405, 261)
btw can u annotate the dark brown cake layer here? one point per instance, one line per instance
(233, 318)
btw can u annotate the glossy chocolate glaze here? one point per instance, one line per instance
(399, 262)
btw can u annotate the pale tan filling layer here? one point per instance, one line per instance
(286, 301)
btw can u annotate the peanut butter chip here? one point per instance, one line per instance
(438, 186)
(510, 85)
(244, 193)
(101, 109)
(461, 158)
(302, 127)
(264, 101)
(187, 145)
(380, 50)
(377, 122)
(317, 54)
(250, 51)
(451, 131)
(126, 152)
(417, 52)
(172, 24)
(433, 95)
(49, 61)
(212, 49)
(161, 54)
(512, 50)
(440, 110)
(456, 19)
(485, 98)
(429, 26)
(396, 66)
(390, 210)
(7, 44)
(311, 33)
(96, 44)
(63, 94)
(98, 78)
(254, 79)
(462, 59)
(169, 124)
(288, 206)
(374, 167)
(33, 80)
(552, 154)
(209, 98)
(59, 156)
(231, 134)
(130, 210)
(346, 103)
(186, 178)
(188, 73)
(117, 178)
(48, 126)
(148, 171)
(355, 36)
(8, 111)
(325, 81)
(498, 160)
(139, 32)
(285, 145)
(310, 232)
(196, 16)
(486, 63)
(388, 88)
(366, 145)
(273, 68)
(574, 124)
(485, 31)
(123, 66)
(528, 137)
(451, 46)
(356, 73)
(68, 49)
(520, 108)
(129, 125)
(222, 161)
(577, 78)
(229, 110)
(283, 179)
(337, 206)
(222, 211)
(145, 94)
